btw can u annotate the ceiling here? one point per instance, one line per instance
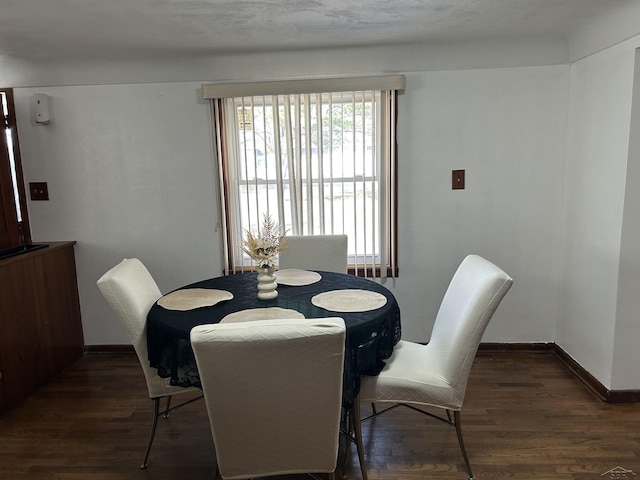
(46, 30)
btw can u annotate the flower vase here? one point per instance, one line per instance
(267, 284)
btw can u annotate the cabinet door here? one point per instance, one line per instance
(61, 324)
(40, 323)
(2, 400)
(25, 365)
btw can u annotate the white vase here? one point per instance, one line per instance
(267, 284)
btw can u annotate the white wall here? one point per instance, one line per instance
(626, 354)
(596, 175)
(130, 173)
(506, 128)
(293, 64)
(618, 22)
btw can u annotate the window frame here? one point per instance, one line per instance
(389, 211)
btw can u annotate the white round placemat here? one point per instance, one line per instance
(191, 298)
(268, 313)
(296, 277)
(350, 300)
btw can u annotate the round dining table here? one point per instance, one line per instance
(372, 329)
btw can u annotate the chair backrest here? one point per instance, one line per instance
(279, 412)
(315, 252)
(131, 291)
(475, 291)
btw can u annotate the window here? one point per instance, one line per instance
(318, 163)
(14, 224)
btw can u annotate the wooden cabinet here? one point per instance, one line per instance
(40, 324)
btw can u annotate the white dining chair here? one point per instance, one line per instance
(315, 252)
(436, 374)
(131, 291)
(280, 409)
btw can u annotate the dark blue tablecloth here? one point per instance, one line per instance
(371, 335)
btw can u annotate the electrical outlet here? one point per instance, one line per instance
(38, 190)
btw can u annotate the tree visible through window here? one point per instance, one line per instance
(319, 163)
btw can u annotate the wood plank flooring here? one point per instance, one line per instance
(525, 417)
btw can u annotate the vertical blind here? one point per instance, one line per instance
(319, 163)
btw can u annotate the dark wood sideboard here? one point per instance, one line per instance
(40, 324)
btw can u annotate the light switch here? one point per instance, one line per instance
(457, 179)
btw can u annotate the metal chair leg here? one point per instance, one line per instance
(456, 416)
(330, 476)
(357, 433)
(168, 407)
(347, 453)
(156, 414)
(165, 414)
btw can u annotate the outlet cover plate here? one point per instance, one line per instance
(39, 190)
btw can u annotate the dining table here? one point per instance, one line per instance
(370, 312)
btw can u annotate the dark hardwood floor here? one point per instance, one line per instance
(526, 416)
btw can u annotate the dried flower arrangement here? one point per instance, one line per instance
(266, 246)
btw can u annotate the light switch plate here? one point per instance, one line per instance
(457, 179)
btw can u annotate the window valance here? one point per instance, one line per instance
(317, 85)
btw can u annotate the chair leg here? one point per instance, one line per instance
(330, 476)
(357, 433)
(156, 413)
(456, 416)
(168, 407)
(347, 453)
